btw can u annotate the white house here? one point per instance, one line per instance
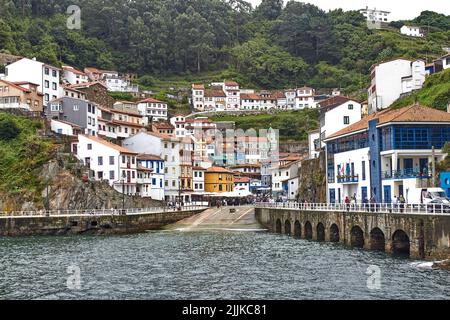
(233, 95)
(286, 169)
(445, 60)
(375, 15)
(109, 162)
(393, 78)
(242, 184)
(305, 98)
(116, 83)
(412, 31)
(386, 154)
(336, 113)
(73, 76)
(179, 123)
(250, 101)
(65, 128)
(198, 179)
(166, 147)
(150, 176)
(214, 100)
(198, 95)
(30, 70)
(153, 108)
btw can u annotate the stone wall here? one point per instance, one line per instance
(312, 180)
(428, 235)
(82, 224)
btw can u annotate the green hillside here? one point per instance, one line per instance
(435, 92)
(293, 125)
(22, 153)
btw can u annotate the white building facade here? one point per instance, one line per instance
(389, 80)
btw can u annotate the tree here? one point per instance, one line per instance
(8, 129)
(269, 9)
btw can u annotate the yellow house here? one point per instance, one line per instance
(219, 179)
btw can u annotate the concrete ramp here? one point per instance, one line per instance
(224, 218)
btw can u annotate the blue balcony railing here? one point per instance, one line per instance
(406, 174)
(348, 178)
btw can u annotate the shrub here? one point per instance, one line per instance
(8, 129)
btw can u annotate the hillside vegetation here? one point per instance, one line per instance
(292, 125)
(272, 46)
(434, 93)
(22, 153)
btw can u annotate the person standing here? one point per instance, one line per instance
(347, 203)
(402, 203)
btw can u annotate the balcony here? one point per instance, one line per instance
(406, 174)
(348, 178)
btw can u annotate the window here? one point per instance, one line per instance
(47, 71)
(76, 108)
(346, 120)
(350, 107)
(100, 161)
(89, 146)
(111, 175)
(54, 85)
(54, 73)
(111, 160)
(363, 168)
(46, 84)
(100, 174)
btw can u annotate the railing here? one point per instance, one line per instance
(100, 212)
(405, 173)
(435, 209)
(351, 178)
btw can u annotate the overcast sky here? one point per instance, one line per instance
(401, 9)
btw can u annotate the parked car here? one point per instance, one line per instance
(439, 205)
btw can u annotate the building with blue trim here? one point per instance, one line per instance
(386, 154)
(150, 176)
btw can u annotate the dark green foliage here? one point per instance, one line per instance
(271, 46)
(8, 129)
(121, 96)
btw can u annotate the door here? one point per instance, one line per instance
(387, 194)
(400, 190)
(407, 166)
(332, 195)
(364, 194)
(339, 195)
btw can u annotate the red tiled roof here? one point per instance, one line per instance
(108, 144)
(198, 168)
(250, 96)
(214, 93)
(231, 83)
(86, 85)
(72, 69)
(151, 100)
(14, 85)
(197, 86)
(218, 170)
(241, 179)
(334, 102)
(413, 113)
(146, 156)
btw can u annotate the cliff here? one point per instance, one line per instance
(312, 180)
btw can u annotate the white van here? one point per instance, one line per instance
(425, 195)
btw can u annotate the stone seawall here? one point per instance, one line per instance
(416, 235)
(83, 224)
